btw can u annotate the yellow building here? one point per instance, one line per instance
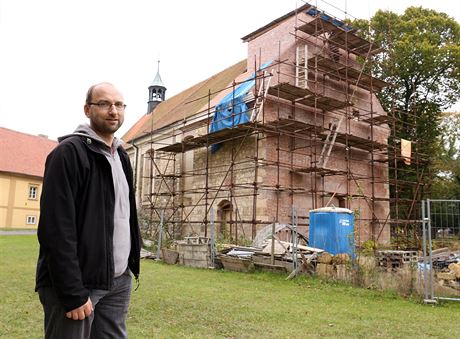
(22, 163)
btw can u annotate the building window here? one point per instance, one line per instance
(33, 191)
(31, 220)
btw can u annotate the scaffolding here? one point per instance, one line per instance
(315, 137)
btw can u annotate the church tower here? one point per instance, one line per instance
(157, 92)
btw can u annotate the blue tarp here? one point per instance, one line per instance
(334, 21)
(232, 110)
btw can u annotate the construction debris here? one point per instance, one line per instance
(447, 269)
(392, 260)
(443, 257)
(146, 254)
(237, 264)
(273, 255)
(306, 263)
(265, 234)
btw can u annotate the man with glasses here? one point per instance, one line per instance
(88, 229)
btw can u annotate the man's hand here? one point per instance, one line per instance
(81, 312)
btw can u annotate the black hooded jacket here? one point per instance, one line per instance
(76, 224)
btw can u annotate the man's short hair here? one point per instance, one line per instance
(89, 94)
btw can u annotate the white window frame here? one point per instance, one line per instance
(31, 220)
(33, 192)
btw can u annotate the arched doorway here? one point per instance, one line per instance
(225, 218)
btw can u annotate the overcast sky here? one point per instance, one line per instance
(51, 51)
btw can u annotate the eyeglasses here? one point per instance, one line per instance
(105, 105)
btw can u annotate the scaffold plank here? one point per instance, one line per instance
(208, 139)
(289, 92)
(323, 102)
(347, 73)
(353, 43)
(291, 126)
(317, 26)
(306, 97)
(379, 120)
(359, 142)
(345, 39)
(320, 171)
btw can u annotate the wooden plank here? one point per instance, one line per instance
(345, 39)
(291, 125)
(316, 27)
(320, 171)
(302, 247)
(303, 266)
(353, 43)
(208, 139)
(307, 97)
(236, 264)
(288, 91)
(379, 120)
(343, 72)
(278, 247)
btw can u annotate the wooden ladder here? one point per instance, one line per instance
(260, 99)
(301, 70)
(329, 143)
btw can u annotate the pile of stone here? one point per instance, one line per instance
(450, 276)
(334, 266)
(446, 267)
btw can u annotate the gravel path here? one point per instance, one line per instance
(20, 232)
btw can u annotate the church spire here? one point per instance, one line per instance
(157, 81)
(157, 91)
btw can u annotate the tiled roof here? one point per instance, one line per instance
(186, 103)
(22, 153)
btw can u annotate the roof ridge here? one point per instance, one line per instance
(175, 104)
(202, 83)
(24, 153)
(40, 137)
(24, 133)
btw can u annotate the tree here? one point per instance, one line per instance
(420, 59)
(446, 181)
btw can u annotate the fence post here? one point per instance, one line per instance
(430, 247)
(160, 235)
(213, 238)
(294, 237)
(438, 219)
(424, 244)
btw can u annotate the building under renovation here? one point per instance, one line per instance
(294, 127)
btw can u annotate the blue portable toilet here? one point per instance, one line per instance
(332, 229)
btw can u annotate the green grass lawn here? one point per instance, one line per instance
(182, 302)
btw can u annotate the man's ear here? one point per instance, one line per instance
(87, 111)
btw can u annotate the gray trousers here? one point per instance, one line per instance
(107, 321)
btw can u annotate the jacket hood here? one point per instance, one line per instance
(85, 130)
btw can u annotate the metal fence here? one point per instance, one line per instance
(441, 225)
